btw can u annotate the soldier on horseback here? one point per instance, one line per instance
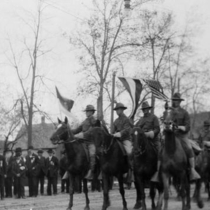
(82, 132)
(150, 125)
(181, 119)
(122, 128)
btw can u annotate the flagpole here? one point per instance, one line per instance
(112, 102)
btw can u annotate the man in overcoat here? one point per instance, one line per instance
(41, 171)
(52, 167)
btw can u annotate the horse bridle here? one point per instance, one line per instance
(105, 150)
(138, 151)
(60, 141)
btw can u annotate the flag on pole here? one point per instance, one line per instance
(156, 89)
(65, 106)
(134, 88)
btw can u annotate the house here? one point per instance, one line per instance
(41, 134)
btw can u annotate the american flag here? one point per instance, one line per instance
(156, 89)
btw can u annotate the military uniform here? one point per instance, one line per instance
(83, 131)
(204, 136)
(9, 177)
(149, 122)
(123, 125)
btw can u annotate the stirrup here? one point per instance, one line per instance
(155, 177)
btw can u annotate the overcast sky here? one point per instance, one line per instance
(63, 17)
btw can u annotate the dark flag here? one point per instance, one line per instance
(156, 89)
(134, 88)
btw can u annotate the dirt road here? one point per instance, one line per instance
(60, 202)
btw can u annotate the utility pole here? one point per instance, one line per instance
(112, 102)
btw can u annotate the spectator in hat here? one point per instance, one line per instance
(18, 170)
(83, 132)
(41, 171)
(52, 167)
(63, 168)
(32, 163)
(3, 171)
(9, 158)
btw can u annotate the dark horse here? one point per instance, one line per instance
(145, 162)
(113, 162)
(174, 163)
(78, 164)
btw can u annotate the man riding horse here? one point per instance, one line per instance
(150, 125)
(122, 129)
(181, 119)
(82, 132)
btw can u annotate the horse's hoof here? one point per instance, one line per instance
(125, 208)
(200, 204)
(68, 208)
(137, 205)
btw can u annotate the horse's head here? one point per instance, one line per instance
(139, 140)
(62, 133)
(169, 125)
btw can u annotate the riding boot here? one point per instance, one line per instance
(92, 167)
(155, 177)
(193, 173)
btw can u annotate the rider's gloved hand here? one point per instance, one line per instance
(150, 134)
(182, 128)
(118, 134)
(79, 136)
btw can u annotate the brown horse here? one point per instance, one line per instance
(113, 162)
(78, 163)
(145, 162)
(174, 163)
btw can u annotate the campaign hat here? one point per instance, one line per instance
(120, 106)
(145, 105)
(177, 97)
(89, 108)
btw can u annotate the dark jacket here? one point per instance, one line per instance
(52, 166)
(42, 166)
(32, 163)
(19, 167)
(9, 163)
(123, 125)
(149, 123)
(3, 167)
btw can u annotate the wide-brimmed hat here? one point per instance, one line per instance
(145, 105)
(50, 151)
(120, 106)
(40, 151)
(18, 150)
(177, 97)
(90, 108)
(206, 123)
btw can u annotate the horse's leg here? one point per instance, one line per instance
(106, 202)
(187, 187)
(138, 193)
(71, 191)
(198, 193)
(122, 191)
(160, 195)
(152, 194)
(85, 190)
(166, 189)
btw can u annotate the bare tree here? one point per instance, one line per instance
(105, 47)
(26, 65)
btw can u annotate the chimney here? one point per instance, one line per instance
(43, 119)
